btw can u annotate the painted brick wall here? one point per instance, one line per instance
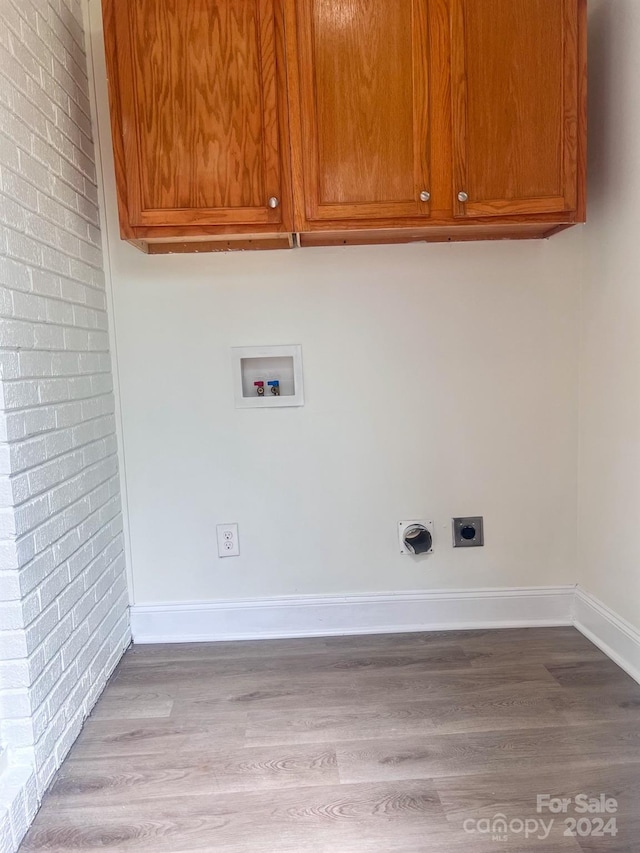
(63, 595)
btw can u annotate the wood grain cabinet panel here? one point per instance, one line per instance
(200, 106)
(515, 104)
(364, 103)
(237, 123)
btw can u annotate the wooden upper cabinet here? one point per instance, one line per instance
(361, 78)
(200, 105)
(515, 106)
(244, 121)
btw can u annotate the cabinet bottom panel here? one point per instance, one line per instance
(365, 237)
(444, 234)
(228, 244)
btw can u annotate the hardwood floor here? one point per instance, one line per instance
(409, 743)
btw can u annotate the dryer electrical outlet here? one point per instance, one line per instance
(468, 531)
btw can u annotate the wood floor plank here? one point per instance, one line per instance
(432, 756)
(515, 794)
(598, 674)
(318, 819)
(277, 649)
(473, 798)
(135, 704)
(428, 659)
(613, 704)
(505, 707)
(492, 651)
(625, 842)
(401, 817)
(102, 738)
(114, 781)
(227, 650)
(347, 689)
(514, 642)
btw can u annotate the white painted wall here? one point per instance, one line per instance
(439, 380)
(609, 545)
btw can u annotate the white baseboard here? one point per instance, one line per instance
(321, 616)
(613, 635)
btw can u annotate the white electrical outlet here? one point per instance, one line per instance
(228, 541)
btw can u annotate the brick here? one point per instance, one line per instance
(14, 704)
(16, 334)
(14, 674)
(13, 215)
(20, 394)
(14, 275)
(39, 420)
(35, 363)
(52, 586)
(12, 645)
(48, 337)
(44, 282)
(18, 732)
(31, 514)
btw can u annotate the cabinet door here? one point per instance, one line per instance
(362, 72)
(514, 106)
(200, 110)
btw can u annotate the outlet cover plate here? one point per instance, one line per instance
(228, 541)
(462, 527)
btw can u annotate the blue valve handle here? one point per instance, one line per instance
(275, 383)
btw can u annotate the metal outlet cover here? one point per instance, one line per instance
(468, 532)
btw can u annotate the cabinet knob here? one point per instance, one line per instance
(425, 195)
(462, 196)
(274, 202)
